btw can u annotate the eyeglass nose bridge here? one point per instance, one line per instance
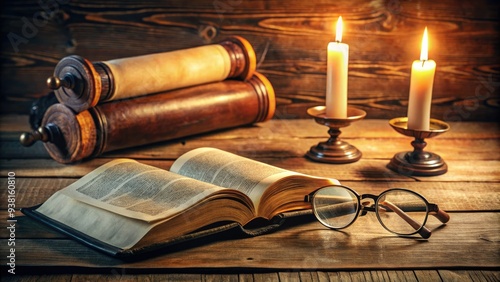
(367, 205)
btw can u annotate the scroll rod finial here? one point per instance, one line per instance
(55, 82)
(27, 139)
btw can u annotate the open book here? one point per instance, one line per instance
(125, 206)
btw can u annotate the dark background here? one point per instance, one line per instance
(289, 37)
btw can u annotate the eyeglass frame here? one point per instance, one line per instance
(423, 231)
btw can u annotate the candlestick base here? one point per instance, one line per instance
(334, 150)
(418, 162)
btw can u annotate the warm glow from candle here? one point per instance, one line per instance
(338, 34)
(424, 53)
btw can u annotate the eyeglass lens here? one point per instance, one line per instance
(336, 207)
(399, 211)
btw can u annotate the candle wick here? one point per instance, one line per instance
(338, 41)
(423, 62)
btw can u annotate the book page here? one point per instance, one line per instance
(119, 231)
(230, 171)
(138, 191)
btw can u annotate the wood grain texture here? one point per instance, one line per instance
(465, 249)
(449, 196)
(308, 244)
(290, 41)
(375, 138)
(416, 275)
(363, 170)
(284, 143)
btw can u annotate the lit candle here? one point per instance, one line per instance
(422, 79)
(336, 76)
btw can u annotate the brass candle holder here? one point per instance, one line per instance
(418, 162)
(334, 150)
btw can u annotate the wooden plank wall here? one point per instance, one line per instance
(290, 39)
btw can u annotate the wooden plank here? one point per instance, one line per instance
(14, 123)
(243, 277)
(272, 140)
(455, 275)
(363, 170)
(375, 276)
(477, 275)
(451, 196)
(32, 278)
(112, 276)
(306, 246)
(289, 276)
(453, 201)
(172, 277)
(27, 228)
(51, 168)
(427, 275)
(374, 138)
(448, 149)
(33, 191)
(11, 126)
(14, 150)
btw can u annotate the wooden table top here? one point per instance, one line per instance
(467, 248)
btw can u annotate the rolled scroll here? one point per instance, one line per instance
(71, 137)
(80, 84)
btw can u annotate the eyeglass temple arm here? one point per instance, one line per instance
(423, 231)
(439, 213)
(433, 209)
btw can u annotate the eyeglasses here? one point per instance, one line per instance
(400, 211)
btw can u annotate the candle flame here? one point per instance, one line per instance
(338, 34)
(424, 56)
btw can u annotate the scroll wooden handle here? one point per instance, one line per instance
(80, 84)
(29, 138)
(154, 118)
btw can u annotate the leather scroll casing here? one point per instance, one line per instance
(160, 117)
